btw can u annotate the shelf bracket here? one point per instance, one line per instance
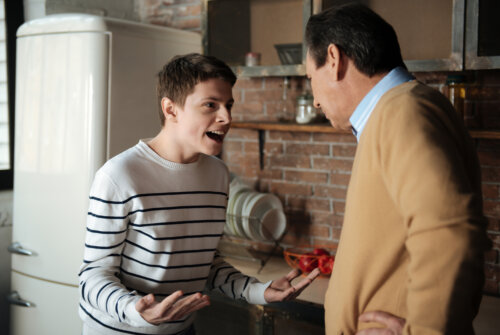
(262, 142)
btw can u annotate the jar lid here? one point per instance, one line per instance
(305, 98)
(455, 79)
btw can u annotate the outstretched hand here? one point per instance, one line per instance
(394, 325)
(174, 307)
(282, 289)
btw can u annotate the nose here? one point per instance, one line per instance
(316, 104)
(224, 115)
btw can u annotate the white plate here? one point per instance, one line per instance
(249, 221)
(235, 189)
(273, 224)
(259, 208)
(238, 208)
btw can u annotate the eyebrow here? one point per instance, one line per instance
(217, 99)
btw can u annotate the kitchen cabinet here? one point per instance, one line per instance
(231, 28)
(430, 33)
(228, 316)
(482, 49)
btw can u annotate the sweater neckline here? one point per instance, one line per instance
(146, 149)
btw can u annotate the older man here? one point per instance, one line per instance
(413, 240)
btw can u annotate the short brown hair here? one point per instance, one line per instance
(180, 75)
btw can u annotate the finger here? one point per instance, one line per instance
(300, 286)
(375, 331)
(293, 274)
(189, 305)
(276, 295)
(144, 303)
(378, 316)
(170, 300)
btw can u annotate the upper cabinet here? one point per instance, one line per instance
(234, 28)
(482, 49)
(444, 35)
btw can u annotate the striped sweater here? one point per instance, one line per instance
(153, 227)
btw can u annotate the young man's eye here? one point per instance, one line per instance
(210, 104)
(229, 107)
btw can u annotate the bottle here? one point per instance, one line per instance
(305, 112)
(456, 93)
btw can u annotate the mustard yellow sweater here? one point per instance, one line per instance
(414, 235)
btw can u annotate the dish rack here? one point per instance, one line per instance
(264, 257)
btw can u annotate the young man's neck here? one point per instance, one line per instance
(167, 148)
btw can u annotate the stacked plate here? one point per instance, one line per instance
(254, 215)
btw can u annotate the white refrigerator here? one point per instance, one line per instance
(85, 91)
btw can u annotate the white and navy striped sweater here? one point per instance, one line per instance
(153, 227)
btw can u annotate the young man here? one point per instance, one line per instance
(157, 212)
(410, 258)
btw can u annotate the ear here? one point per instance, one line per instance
(168, 109)
(333, 60)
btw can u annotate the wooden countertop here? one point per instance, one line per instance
(275, 268)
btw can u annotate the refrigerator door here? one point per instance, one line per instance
(48, 300)
(61, 120)
(138, 53)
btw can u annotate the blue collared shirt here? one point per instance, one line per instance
(361, 114)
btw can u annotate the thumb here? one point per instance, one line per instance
(144, 303)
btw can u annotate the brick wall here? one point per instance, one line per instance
(310, 171)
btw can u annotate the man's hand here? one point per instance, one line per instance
(172, 308)
(394, 325)
(282, 289)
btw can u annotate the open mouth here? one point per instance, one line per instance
(216, 135)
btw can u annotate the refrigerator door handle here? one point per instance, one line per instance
(17, 248)
(15, 299)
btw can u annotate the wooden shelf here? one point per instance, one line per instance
(327, 128)
(281, 126)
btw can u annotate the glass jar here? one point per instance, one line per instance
(305, 112)
(456, 93)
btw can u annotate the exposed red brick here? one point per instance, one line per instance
(289, 136)
(264, 95)
(273, 148)
(329, 245)
(288, 188)
(251, 147)
(238, 133)
(330, 192)
(340, 179)
(271, 174)
(333, 164)
(489, 158)
(490, 174)
(294, 161)
(322, 217)
(343, 151)
(338, 207)
(492, 271)
(232, 146)
(494, 224)
(306, 176)
(334, 138)
(491, 191)
(491, 207)
(491, 256)
(248, 110)
(308, 149)
(308, 204)
(249, 83)
(291, 240)
(317, 230)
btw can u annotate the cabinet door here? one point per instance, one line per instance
(481, 36)
(430, 32)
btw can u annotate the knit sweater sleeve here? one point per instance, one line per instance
(99, 282)
(432, 175)
(231, 282)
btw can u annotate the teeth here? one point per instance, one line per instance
(217, 132)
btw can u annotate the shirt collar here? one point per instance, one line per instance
(361, 114)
